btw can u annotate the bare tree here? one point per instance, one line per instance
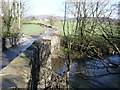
(11, 21)
(93, 25)
(51, 20)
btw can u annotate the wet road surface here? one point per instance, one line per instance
(11, 53)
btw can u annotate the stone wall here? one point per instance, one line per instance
(33, 64)
(56, 49)
(17, 73)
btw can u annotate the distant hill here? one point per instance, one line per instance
(46, 17)
(60, 18)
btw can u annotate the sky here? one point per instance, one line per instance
(47, 7)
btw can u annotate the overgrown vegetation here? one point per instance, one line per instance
(10, 20)
(93, 33)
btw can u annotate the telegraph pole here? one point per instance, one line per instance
(19, 14)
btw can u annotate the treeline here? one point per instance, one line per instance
(41, 24)
(11, 14)
(91, 38)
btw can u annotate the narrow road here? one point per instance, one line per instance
(13, 52)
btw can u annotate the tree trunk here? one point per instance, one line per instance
(4, 44)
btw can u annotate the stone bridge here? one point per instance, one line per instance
(32, 68)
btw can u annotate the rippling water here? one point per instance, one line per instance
(90, 73)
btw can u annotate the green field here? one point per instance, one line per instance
(31, 29)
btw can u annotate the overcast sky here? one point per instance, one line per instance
(47, 7)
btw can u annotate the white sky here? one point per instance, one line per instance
(47, 7)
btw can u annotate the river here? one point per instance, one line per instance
(90, 73)
(83, 73)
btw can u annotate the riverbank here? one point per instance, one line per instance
(83, 73)
(18, 73)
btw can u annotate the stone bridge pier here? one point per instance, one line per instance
(33, 68)
(47, 73)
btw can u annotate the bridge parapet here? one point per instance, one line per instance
(33, 68)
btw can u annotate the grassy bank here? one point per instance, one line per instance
(31, 29)
(91, 44)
